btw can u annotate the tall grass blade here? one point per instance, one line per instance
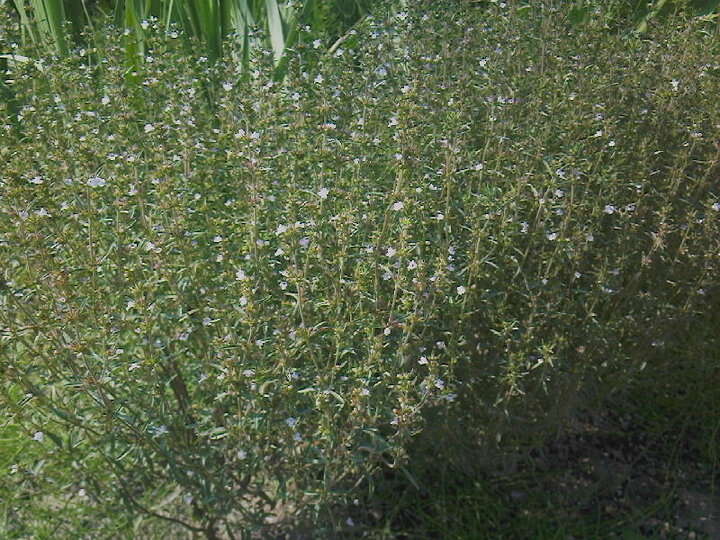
(50, 16)
(293, 23)
(46, 23)
(134, 38)
(275, 29)
(654, 11)
(27, 25)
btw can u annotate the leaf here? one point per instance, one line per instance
(54, 438)
(579, 14)
(50, 15)
(654, 12)
(216, 434)
(275, 29)
(524, 11)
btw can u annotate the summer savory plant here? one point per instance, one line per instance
(235, 308)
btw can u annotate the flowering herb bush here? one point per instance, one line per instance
(229, 301)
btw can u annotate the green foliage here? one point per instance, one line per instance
(438, 242)
(207, 21)
(637, 15)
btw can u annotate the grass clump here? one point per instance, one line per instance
(229, 303)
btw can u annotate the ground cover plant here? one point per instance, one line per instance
(264, 306)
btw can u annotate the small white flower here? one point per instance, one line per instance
(292, 422)
(675, 84)
(217, 239)
(524, 227)
(37, 180)
(390, 252)
(387, 275)
(304, 241)
(405, 89)
(227, 86)
(207, 321)
(149, 127)
(319, 78)
(552, 236)
(243, 301)
(611, 144)
(393, 121)
(145, 25)
(39, 436)
(241, 454)
(440, 216)
(716, 206)
(283, 285)
(412, 265)
(398, 206)
(105, 100)
(96, 181)
(598, 133)
(461, 290)
(240, 275)
(316, 44)
(423, 360)
(609, 209)
(323, 193)
(387, 331)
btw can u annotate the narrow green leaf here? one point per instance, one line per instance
(50, 15)
(654, 11)
(27, 25)
(275, 29)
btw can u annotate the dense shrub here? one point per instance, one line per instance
(250, 299)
